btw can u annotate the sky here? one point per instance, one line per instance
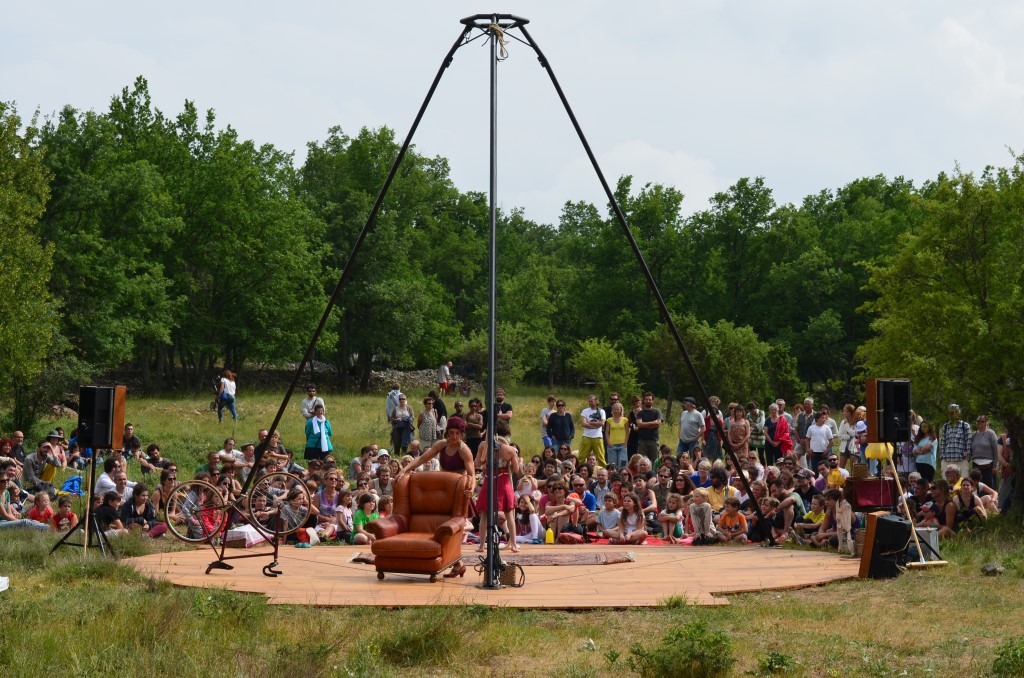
(809, 95)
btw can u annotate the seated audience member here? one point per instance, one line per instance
(528, 526)
(108, 515)
(719, 490)
(732, 525)
(212, 464)
(64, 519)
(366, 512)
(631, 527)
(812, 520)
(701, 515)
(383, 485)
(988, 495)
(608, 517)
(670, 518)
(343, 513)
(34, 468)
(559, 510)
(139, 513)
(829, 529)
(41, 511)
(702, 478)
(968, 506)
(941, 513)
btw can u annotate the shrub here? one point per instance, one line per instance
(777, 664)
(1009, 659)
(691, 650)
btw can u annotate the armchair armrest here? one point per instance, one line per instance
(382, 528)
(450, 527)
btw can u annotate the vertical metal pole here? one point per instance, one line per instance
(489, 580)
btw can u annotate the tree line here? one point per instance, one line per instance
(170, 244)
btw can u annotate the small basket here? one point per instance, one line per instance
(861, 471)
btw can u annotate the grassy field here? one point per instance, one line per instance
(90, 616)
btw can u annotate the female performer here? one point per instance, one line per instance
(504, 497)
(455, 457)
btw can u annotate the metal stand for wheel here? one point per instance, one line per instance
(269, 570)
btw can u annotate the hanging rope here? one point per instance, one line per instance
(502, 41)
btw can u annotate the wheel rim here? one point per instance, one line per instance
(268, 507)
(195, 512)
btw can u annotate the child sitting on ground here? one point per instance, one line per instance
(608, 518)
(700, 514)
(343, 514)
(364, 514)
(41, 512)
(828, 533)
(631, 522)
(385, 507)
(813, 519)
(732, 525)
(64, 519)
(528, 527)
(671, 518)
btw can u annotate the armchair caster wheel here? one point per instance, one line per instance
(433, 578)
(380, 575)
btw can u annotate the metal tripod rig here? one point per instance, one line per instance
(499, 29)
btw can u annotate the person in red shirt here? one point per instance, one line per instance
(42, 511)
(64, 519)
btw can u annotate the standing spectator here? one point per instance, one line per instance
(805, 417)
(545, 439)
(985, 450)
(310, 401)
(647, 421)
(954, 437)
(474, 424)
(691, 428)
(318, 435)
(502, 409)
(755, 417)
(713, 441)
(819, 440)
(783, 413)
(616, 430)
(441, 411)
(739, 433)
(402, 424)
(592, 420)
(391, 401)
(848, 435)
(632, 442)
(444, 377)
(777, 440)
(561, 428)
(226, 393)
(426, 423)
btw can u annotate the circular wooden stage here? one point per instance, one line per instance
(325, 576)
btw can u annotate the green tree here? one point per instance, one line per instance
(29, 329)
(599, 361)
(948, 312)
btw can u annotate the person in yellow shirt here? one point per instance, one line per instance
(813, 519)
(720, 489)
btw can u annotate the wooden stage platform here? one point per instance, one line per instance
(324, 576)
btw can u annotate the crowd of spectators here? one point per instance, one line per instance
(623, 483)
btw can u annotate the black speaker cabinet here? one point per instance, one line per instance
(885, 546)
(101, 416)
(888, 405)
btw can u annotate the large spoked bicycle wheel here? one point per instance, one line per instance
(278, 504)
(195, 512)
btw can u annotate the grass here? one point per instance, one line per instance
(93, 616)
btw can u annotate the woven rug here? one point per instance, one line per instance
(548, 559)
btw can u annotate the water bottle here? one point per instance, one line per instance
(549, 536)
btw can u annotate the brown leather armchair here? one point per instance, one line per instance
(424, 533)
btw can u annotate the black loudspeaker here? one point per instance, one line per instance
(96, 417)
(888, 550)
(889, 399)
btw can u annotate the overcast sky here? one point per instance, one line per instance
(809, 95)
